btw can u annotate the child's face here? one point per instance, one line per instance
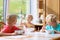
(12, 21)
(30, 18)
(52, 24)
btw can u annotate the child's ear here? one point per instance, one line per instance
(7, 18)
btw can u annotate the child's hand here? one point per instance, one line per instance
(43, 29)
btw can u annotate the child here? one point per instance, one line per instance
(28, 23)
(51, 24)
(10, 28)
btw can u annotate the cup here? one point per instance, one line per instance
(28, 31)
(19, 32)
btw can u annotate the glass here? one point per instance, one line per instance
(1, 10)
(17, 6)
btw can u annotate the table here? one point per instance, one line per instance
(31, 36)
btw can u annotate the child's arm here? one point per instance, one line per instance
(56, 32)
(7, 34)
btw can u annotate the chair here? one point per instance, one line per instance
(1, 25)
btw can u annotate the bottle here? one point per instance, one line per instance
(25, 29)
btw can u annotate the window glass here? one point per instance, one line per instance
(1, 10)
(18, 7)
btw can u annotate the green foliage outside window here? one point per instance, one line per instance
(1, 10)
(17, 6)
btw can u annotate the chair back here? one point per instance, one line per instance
(1, 25)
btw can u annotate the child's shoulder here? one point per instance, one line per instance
(47, 25)
(5, 26)
(58, 25)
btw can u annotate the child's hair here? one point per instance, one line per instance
(29, 15)
(11, 18)
(51, 18)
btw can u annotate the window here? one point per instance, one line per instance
(18, 7)
(1, 10)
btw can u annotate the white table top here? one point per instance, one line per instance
(31, 36)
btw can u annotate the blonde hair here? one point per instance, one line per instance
(51, 18)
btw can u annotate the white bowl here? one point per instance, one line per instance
(19, 31)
